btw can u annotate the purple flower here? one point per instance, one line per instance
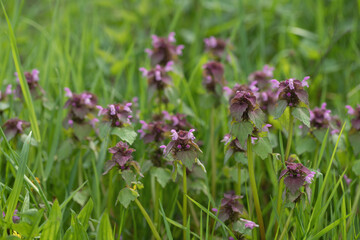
(230, 208)
(182, 147)
(249, 224)
(347, 179)
(267, 100)
(79, 105)
(242, 104)
(121, 157)
(14, 126)
(262, 77)
(158, 77)
(320, 118)
(8, 91)
(215, 46)
(292, 91)
(355, 112)
(231, 92)
(153, 131)
(213, 75)
(118, 115)
(164, 50)
(32, 79)
(179, 122)
(295, 176)
(15, 217)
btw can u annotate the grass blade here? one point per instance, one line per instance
(24, 86)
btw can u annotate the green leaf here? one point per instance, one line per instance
(4, 106)
(263, 147)
(187, 158)
(305, 145)
(279, 108)
(79, 231)
(29, 225)
(239, 226)
(104, 231)
(128, 176)
(354, 140)
(23, 83)
(356, 168)
(258, 118)
(52, 225)
(167, 227)
(162, 175)
(302, 114)
(19, 180)
(241, 130)
(126, 196)
(85, 214)
(126, 134)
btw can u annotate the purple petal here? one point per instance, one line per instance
(274, 83)
(351, 111)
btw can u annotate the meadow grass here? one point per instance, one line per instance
(98, 46)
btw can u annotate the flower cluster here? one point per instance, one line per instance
(182, 147)
(80, 105)
(263, 77)
(177, 121)
(32, 79)
(242, 104)
(158, 77)
(121, 158)
(164, 49)
(14, 126)
(153, 131)
(292, 91)
(320, 118)
(215, 46)
(15, 217)
(213, 75)
(295, 176)
(119, 115)
(230, 208)
(355, 112)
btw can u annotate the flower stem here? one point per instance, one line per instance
(287, 153)
(151, 224)
(254, 189)
(286, 225)
(184, 201)
(156, 205)
(213, 153)
(238, 187)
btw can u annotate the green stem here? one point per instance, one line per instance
(286, 225)
(184, 201)
(287, 153)
(254, 189)
(213, 154)
(238, 187)
(151, 224)
(156, 207)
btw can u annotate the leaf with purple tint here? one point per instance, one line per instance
(241, 130)
(302, 114)
(282, 174)
(279, 108)
(302, 95)
(108, 166)
(257, 117)
(169, 147)
(237, 110)
(293, 183)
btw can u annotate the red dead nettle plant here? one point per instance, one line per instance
(129, 170)
(213, 81)
(291, 94)
(182, 150)
(247, 124)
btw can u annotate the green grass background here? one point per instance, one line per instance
(99, 45)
